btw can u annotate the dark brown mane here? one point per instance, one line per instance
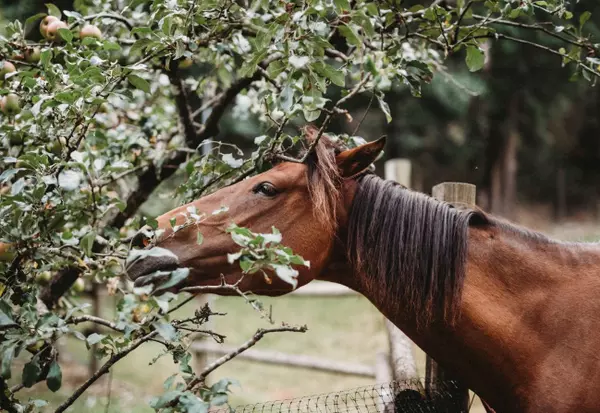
(411, 247)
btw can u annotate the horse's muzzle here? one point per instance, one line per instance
(141, 264)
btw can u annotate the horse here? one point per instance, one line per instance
(511, 313)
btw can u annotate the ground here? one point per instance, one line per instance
(344, 329)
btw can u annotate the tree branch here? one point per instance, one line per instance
(103, 370)
(255, 339)
(211, 126)
(94, 319)
(59, 285)
(6, 402)
(329, 116)
(535, 27)
(539, 46)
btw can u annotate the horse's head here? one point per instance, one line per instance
(307, 202)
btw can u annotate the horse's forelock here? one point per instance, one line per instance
(324, 181)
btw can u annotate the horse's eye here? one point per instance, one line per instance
(266, 189)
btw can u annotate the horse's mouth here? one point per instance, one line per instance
(145, 269)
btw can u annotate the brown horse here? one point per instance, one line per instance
(513, 314)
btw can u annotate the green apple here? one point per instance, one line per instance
(10, 104)
(56, 146)
(7, 68)
(35, 347)
(33, 55)
(78, 286)
(43, 277)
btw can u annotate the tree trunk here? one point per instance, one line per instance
(509, 160)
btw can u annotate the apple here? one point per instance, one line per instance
(56, 145)
(7, 253)
(43, 277)
(186, 63)
(52, 30)
(7, 68)
(33, 55)
(10, 105)
(78, 286)
(45, 23)
(35, 347)
(89, 30)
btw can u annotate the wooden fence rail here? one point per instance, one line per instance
(284, 359)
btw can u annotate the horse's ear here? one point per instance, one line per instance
(356, 160)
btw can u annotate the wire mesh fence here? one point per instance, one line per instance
(395, 397)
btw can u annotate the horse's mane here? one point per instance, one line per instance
(411, 244)
(411, 247)
(403, 241)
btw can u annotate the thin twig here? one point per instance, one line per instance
(109, 392)
(329, 116)
(539, 46)
(122, 175)
(364, 115)
(103, 370)
(94, 319)
(460, 18)
(251, 342)
(112, 16)
(536, 27)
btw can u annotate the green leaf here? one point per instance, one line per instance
(139, 83)
(152, 223)
(585, 16)
(385, 108)
(342, 5)
(336, 76)
(53, 10)
(5, 319)
(31, 372)
(54, 378)
(199, 238)
(66, 34)
(7, 358)
(87, 242)
(169, 381)
(32, 20)
(94, 338)
(111, 46)
(176, 277)
(350, 35)
(165, 330)
(475, 58)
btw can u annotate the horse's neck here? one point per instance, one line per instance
(520, 296)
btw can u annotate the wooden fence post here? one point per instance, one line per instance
(402, 359)
(462, 194)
